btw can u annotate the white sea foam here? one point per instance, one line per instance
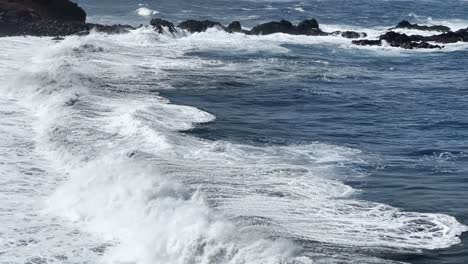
(156, 195)
(146, 12)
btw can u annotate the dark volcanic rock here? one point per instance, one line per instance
(160, 24)
(41, 28)
(34, 10)
(398, 40)
(308, 24)
(235, 26)
(274, 27)
(193, 26)
(406, 42)
(425, 45)
(408, 25)
(450, 37)
(395, 39)
(367, 42)
(56, 28)
(48, 18)
(307, 27)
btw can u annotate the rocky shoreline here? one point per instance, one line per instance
(57, 18)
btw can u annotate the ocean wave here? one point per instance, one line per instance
(157, 195)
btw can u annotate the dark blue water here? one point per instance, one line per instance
(406, 109)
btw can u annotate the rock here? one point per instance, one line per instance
(307, 24)
(395, 39)
(34, 10)
(308, 27)
(161, 24)
(450, 37)
(234, 27)
(193, 26)
(425, 45)
(274, 27)
(41, 28)
(408, 25)
(48, 18)
(399, 40)
(367, 42)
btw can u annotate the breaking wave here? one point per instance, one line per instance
(154, 194)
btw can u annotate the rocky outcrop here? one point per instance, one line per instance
(408, 25)
(398, 40)
(234, 27)
(48, 18)
(161, 24)
(307, 27)
(401, 40)
(37, 10)
(282, 26)
(194, 26)
(449, 37)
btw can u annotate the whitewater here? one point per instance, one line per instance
(98, 167)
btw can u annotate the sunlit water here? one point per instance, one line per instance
(226, 148)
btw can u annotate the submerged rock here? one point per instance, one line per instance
(350, 34)
(408, 25)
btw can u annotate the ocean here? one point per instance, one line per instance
(216, 148)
